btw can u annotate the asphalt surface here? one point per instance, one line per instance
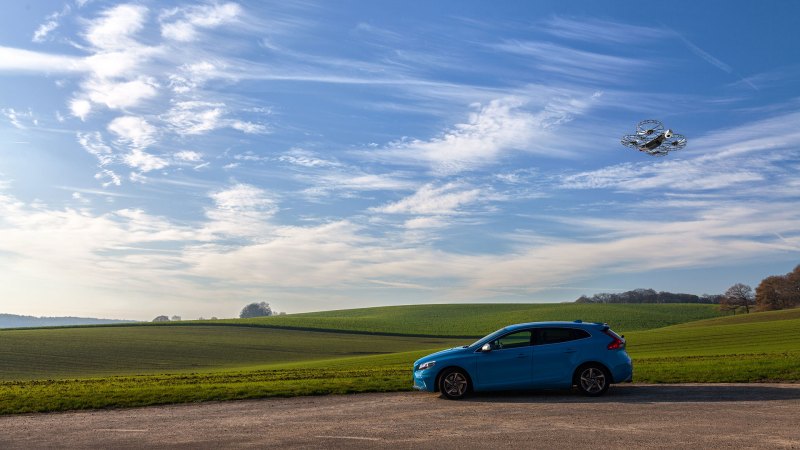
(628, 416)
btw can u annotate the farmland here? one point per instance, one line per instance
(93, 367)
(476, 320)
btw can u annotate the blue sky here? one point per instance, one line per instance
(190, 158)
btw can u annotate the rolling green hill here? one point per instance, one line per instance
(94, 367)
(125, 350)
(475, 320)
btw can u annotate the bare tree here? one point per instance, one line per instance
(738, 296)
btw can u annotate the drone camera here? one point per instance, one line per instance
(668, 134)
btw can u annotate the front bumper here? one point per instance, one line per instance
(425, 380)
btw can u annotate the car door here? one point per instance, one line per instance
(555, 354)
(508, 364)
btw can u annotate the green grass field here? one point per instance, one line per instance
(477, 320)
(117, 366)
(123, 350)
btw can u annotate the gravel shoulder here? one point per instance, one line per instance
(628, 416)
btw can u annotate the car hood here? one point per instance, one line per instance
(449, 351)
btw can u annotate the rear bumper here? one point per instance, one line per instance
(623, 373)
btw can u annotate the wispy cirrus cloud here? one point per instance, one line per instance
(599, 30)
(494, 130)
(20, 60)
(51, 22)
(434, 200)
(20, 119)
(576, 64)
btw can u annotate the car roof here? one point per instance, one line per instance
(575, 324)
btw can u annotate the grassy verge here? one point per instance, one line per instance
(378, 373)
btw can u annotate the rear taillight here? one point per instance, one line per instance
(617, 342)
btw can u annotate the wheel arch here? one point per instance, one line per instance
(577, 371)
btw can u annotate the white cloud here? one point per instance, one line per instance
(418, 223)
(248, 127)
(181, 24)
(429, 199)
(115, 27)
(108, 177)
(123, 63)
(121, 95)
(80, 108)
(93, 143)
(195, 117)
(18, 60)
(242, 197)
(188, 156)
(495, 129)
(241, 210)
(139, 159)
(192, 76)
(137, 177)
(305, 158)
(44, 29)
(20, 119)
(200, 117)
(133, 131)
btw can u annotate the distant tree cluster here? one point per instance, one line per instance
(256, 310)
(648, 296)
(779, 291)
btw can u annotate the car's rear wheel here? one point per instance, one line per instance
(593, 380)
(454, 384)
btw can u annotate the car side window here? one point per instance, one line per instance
(513, 340)
(554, 335)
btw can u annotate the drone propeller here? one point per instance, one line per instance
(648, 127)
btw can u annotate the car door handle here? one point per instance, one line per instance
(570, 350)
(520, 356)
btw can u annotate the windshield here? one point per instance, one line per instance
(489, 337)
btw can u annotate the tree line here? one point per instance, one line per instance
(774, 292)
(779, 291)
(261, 309)
(648, 296)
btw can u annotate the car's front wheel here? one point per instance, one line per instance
(593, 380)
(454, 384)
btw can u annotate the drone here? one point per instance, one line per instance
(651, 138)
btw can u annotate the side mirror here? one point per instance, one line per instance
(486, 348)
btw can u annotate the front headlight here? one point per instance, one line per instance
(426, 365)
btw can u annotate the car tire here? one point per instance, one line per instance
(592, 380)
(454, 384)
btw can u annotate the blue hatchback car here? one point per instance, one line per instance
(538, 355)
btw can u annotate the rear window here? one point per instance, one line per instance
(557, 335)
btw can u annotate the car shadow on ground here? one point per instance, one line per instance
(651, 393)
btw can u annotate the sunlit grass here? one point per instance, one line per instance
(475, 320)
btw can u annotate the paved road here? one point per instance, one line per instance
(629, 416)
